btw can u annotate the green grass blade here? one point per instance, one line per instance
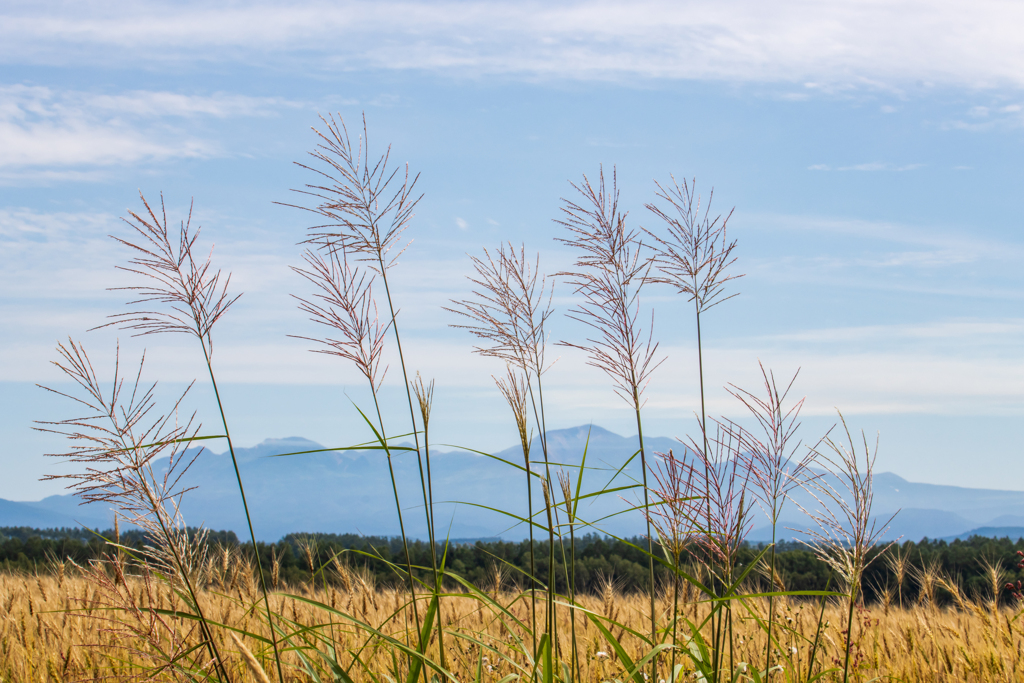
(491, 456)
(428, 625)
(620, 652)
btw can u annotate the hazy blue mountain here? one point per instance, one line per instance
(351, 491)
(39, 516)
(911, 524)
(1008, 521)
(1011, 532)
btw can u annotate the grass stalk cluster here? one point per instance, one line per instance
(715, 621)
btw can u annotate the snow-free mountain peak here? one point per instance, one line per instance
(350, 491)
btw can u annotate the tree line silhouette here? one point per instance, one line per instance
(600, 560)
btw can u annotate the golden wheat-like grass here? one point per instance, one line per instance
(53, 629)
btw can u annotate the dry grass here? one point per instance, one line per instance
(180, 614)
(53, 629)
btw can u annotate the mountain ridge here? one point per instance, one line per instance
(350, 491)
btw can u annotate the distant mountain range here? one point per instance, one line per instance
(350, 491)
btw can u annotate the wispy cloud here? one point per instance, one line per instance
(867, 376)
(58, 265)
(819, 46)
(871, 166)
(937, 258)
(865, 258)
(996, 115)
(20, 176)
(1006, 333)
(861, 371)
(958, 245)
(46, 131)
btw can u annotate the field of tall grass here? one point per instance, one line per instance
(55, 629)
(172, 610)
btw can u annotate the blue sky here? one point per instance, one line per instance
(871, 151)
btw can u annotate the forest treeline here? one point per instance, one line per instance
(600, 560)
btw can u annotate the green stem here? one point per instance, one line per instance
(771, 603)
(533, 565)
(650, 539)
(572, 596)
(716, 615)
(550, 597)
(849, 630)
(718, 636)
(433, 545)
(416, 439)
(565, 569)
(675, 616)
(245, 507)
(401, 524)
(817, 633)
(728, 613)
(408, 395)
(538, 414)
(203, 625)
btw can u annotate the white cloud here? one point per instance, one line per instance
(966, 244)
(861, 378)
(58, 265)
(881, 166)
(919, 259)
(61, 254)
(874, 376)
(975, 334)
(42, 127)
(58, 268)
(824, 46)
(871, 166)
(75, 143)
(889, 267)
(157, 104)
(995, 115)
(33, 177)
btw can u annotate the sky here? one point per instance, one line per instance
(870, 153)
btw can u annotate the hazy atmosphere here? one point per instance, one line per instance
(872, 153)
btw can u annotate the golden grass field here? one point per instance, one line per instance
(53, 628)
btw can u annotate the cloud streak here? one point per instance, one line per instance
(899, 44)
(60, 263)
(957, 245)
(47, 131)
(870, 166)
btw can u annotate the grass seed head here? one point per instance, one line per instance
(696, 255)
(344, 305)
(509, 309)
(194, 296)
(609, 274)
(513, 388)
(366, 203)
